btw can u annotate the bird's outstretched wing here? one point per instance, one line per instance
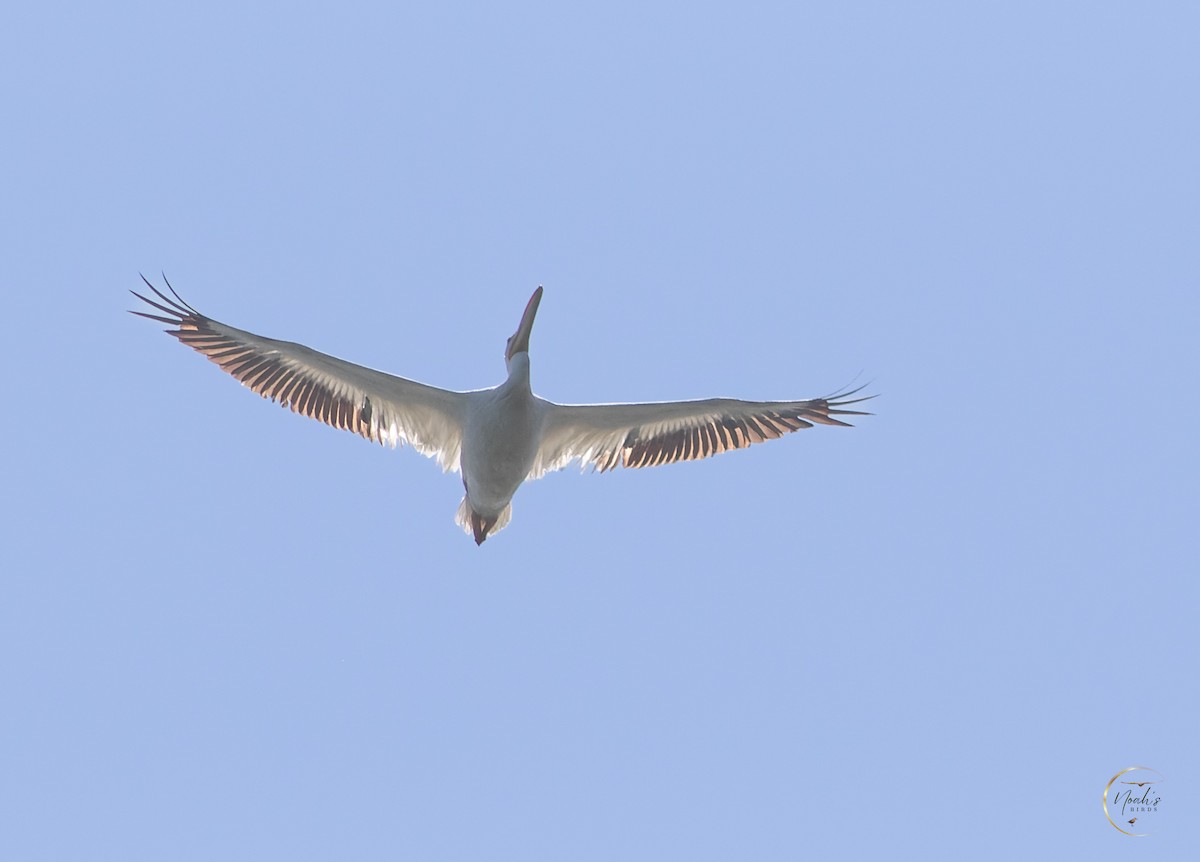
(378, 406)
(605, 436)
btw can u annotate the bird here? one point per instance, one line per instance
(497, 438)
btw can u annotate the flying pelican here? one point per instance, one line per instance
(497, 437)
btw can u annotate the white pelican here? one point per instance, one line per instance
(498, 437)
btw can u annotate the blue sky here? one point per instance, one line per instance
(227, 632)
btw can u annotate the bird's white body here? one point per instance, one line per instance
(497, 437)
(502, 431)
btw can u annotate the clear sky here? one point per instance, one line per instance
(227, 632)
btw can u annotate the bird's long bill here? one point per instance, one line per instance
(519, 343)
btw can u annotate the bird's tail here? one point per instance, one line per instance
(479, 526)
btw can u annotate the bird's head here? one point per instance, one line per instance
(518, 342)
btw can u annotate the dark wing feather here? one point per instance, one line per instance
(378, 406)
(606, 436)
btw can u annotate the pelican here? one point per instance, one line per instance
(497, 437)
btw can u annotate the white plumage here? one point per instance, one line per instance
(497, 437)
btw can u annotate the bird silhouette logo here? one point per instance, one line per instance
(1140, 798)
